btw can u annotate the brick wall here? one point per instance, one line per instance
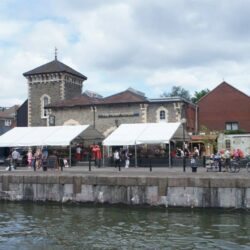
(224, 104)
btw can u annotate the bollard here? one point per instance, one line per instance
(150, 165)
(204, 161)
(89, 165)
(184, 164)
(34, 164)
(99, 163)
(61, 163)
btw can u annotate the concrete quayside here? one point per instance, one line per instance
(134, 186)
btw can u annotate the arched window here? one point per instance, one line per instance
(162, 115)
(45, 100)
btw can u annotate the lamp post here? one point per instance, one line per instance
(183, 121)
(94, 111)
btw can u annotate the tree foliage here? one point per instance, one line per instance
(199, 94)
(178, 91)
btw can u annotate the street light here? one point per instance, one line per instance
(183, 121)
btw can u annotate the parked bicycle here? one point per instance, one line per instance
(236, 164)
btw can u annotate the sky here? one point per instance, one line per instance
(149, 45)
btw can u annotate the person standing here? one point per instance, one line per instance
(227, 156)
(38, 158)
(15, 156)
(127, 158)
(29, 158)
(78, 153)
(117, 158)
(98, 156)
(196, 152)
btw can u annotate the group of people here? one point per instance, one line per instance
(91, 153)
(226, 156)
(119, 156)
(35, 159)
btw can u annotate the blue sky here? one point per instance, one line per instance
(150, 45)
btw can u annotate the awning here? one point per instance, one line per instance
(145, 133)
(47, 136)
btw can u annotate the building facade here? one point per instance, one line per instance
(129, 106)
(51, 82)
(7, 118)
(55, 98)
(225, 108)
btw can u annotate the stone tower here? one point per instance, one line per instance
(49, 83)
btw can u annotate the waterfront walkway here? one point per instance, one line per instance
(133, 172)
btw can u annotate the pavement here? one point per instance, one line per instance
(130, 172)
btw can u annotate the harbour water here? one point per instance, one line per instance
(54, 226)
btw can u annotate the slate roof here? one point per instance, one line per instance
(127, 96)
(54, 66)
(83, 100)
(9, 112)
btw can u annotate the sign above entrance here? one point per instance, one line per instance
(118, 115)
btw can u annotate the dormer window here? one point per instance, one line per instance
(230, 126)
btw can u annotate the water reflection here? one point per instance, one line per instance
(50, 226)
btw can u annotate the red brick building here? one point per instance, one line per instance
(225, 108)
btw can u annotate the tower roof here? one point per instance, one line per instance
(54, 66)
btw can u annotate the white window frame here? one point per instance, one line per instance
(232, 126)
(45, 112)
(158, 114)
(7, 122)
(162, 115)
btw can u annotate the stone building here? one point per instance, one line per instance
(55, 98)
(129, 106)
(51, 82)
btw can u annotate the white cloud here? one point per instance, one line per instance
(148, 45)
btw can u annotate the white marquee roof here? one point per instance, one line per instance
(145, 133)
(46, 136)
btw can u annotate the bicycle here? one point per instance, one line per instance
(236, 164)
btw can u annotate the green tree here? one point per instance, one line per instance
(178, 91)
(199, 94)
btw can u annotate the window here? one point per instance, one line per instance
(45, 100)
(228, 144)
(7, 123)
(232, 126)
(162, 115)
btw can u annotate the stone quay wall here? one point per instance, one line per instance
(154, 191)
